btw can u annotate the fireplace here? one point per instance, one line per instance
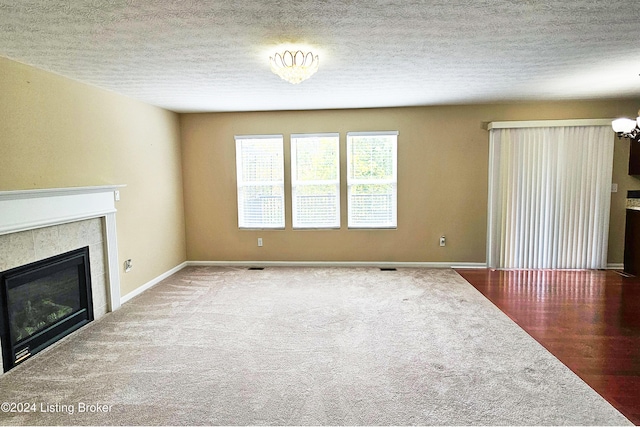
(42, 302)
(42, 223)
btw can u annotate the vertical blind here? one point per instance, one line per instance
(372, 179)
(549, 197)
(315, 180)
(260, 180)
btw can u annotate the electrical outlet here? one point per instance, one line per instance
(443, 241)
(128, 265)
(259, 242)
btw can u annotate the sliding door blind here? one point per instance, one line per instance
(372, 179)
(315, 180)
(260, 179)
(549, 197)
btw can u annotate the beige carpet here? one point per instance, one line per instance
(303, 346)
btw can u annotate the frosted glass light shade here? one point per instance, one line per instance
(624, 125)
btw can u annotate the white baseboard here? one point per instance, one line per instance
(469, 265)
(380, 264)
(615, 266)
(152, 283)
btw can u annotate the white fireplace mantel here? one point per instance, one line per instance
(22, 210)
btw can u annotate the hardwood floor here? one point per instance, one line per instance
(590, 320)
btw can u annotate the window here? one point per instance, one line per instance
(372, 179)
(260, 179)
(315, 180)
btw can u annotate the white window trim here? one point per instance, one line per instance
(393, 182)
(240, 183)
(295, 183)
(374, 133)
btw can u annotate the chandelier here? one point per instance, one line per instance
(627, 128)
(294, 67)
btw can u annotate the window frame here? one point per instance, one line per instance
(295, 183)
(240, 183)
(351, 182)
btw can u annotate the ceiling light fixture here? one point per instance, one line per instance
(294, 67)
(627, 128)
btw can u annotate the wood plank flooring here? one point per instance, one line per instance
(590, 320)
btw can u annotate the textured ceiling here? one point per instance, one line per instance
(194, 55)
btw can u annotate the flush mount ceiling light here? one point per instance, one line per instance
(627, 128)
(294, 66)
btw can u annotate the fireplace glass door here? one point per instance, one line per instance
(36, 305)
(42, 302)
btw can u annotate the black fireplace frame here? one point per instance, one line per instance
(13, 354)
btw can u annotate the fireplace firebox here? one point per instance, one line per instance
(43, 302)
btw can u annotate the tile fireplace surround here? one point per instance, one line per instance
(38, 224)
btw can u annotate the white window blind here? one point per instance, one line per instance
(549, 196)
(260, 179)
(372, 177)
(315, 180)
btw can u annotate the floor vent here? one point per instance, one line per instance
(256, 268)
(388, 269)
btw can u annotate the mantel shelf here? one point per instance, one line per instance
(23, 210)
(53, 192)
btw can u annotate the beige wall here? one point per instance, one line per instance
(55, 132)
(442, 182)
